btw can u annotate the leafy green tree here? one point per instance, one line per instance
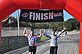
(72, 24)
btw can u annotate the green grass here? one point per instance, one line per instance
(43, 38)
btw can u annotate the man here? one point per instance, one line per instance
(53, 40)
(32, 41)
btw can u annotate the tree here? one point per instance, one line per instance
(72, 24)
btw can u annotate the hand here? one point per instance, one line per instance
(64, 28)
(25, 34)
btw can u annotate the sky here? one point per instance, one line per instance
(66, 15)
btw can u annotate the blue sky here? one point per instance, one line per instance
(66, 15)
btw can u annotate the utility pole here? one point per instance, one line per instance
(18, 22)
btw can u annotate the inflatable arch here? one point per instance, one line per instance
(74, 7)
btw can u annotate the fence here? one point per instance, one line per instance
(13, 42)
(8, 31)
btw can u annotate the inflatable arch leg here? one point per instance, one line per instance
(74, 7)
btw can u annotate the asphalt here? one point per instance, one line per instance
(68, 44)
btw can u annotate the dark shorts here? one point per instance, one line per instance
(32, 49)
(53, 50)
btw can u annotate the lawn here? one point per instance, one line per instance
(43, 38)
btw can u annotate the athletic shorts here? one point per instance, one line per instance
(32, 49)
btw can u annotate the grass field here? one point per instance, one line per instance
(43, 38)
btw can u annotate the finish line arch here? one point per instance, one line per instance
(74, 7)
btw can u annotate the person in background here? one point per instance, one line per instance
(32, 38)
(54, 40)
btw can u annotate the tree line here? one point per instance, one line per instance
(70, 24)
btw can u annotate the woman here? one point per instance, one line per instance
(32, 40)
(53, 40)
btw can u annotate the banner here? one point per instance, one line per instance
(41, 15)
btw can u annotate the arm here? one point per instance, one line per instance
(47, 35)
(25, 33)
(30, 34)
(58, 35)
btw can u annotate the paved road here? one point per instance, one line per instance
(67, 45)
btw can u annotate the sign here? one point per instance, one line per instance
(41, 15)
